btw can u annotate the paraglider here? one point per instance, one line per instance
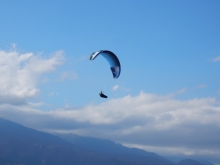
(113, 61)
(102, 95)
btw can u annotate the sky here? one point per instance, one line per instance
(167, 98)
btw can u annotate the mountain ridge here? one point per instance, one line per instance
(107, 146)
(20, 145)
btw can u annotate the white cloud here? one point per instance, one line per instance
(20, 74)
(114, 88)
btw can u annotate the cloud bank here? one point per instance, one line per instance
(152, 122)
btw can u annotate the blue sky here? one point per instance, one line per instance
(169, 83)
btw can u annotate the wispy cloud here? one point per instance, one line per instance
(53, 94)
(181, 91)
(68, 75)
(216, 59)
(82, 58)
(201, 86)
(114, 88)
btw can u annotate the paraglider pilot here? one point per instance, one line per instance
(102, 95)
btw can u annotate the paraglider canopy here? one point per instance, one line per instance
(112, 60)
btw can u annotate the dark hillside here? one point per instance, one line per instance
(20, 145)
(189, 162)
(114, 149)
